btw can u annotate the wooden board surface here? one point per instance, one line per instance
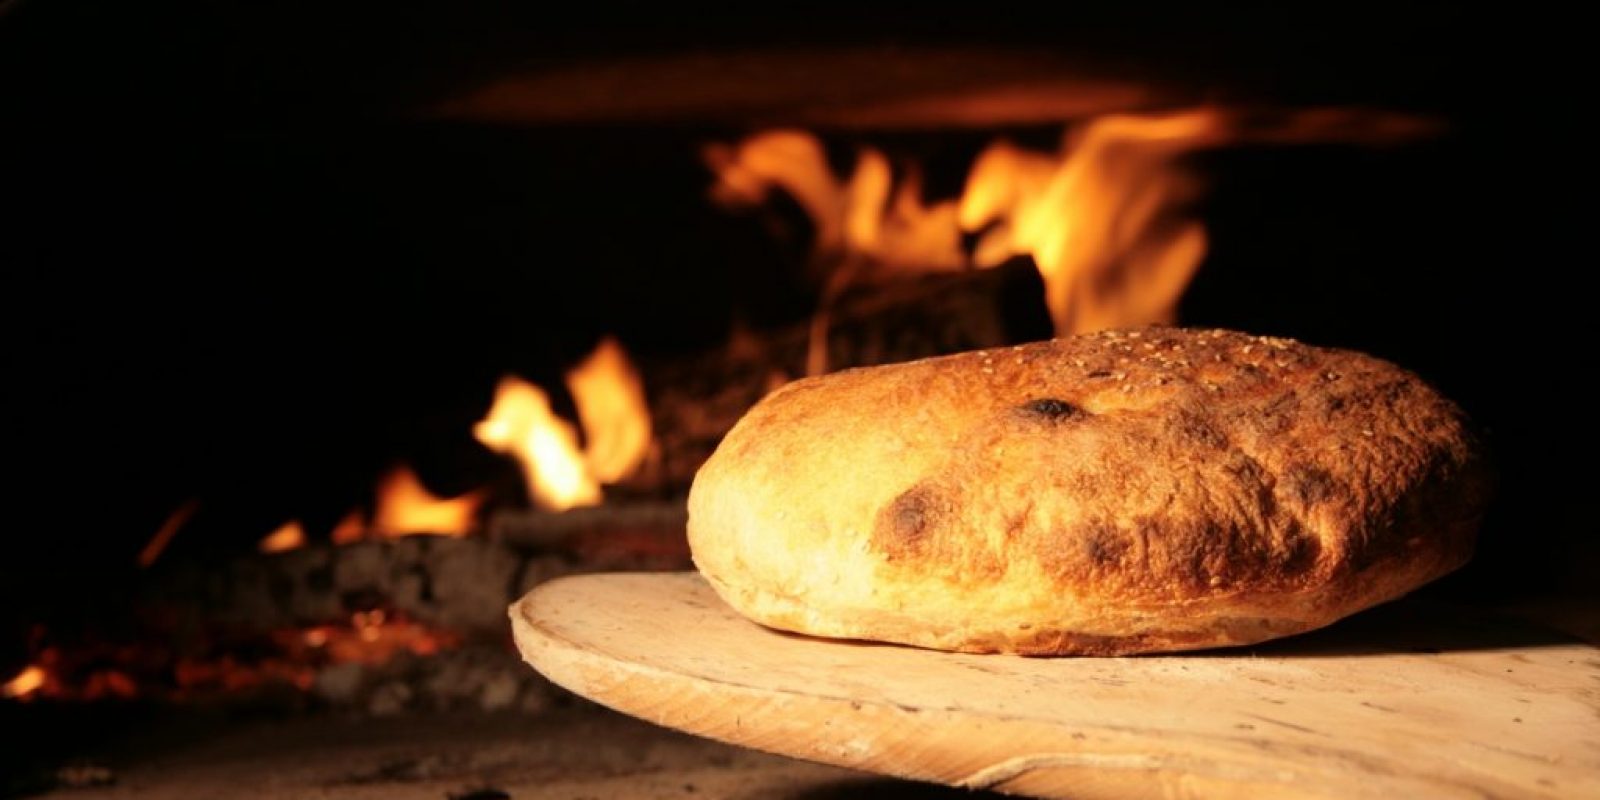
(1403, 701)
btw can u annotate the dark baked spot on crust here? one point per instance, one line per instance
(1207, 550)
(1191, 427)
(1277, 416)
(904, 525)
(1077, 551)
(1016, 526)
(911, 512)
(1104, 545)
(1050, 409)
(1329, 405)
(1309, 484)
(1300, 549)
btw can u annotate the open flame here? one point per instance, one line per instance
(522, 424)
(288, 536)
(31, 679)
(1104, 217)
(610, 398)
(351, 528)
(862, 217)
(404, 508)
(616, 422)
(611, 405)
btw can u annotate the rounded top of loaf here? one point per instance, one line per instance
(1120, 491)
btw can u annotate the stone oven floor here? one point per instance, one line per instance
(582, 751)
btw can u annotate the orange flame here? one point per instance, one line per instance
(1100, 218)
(351, 528)
(1103, 217)
(405, 507)
(610, 398)
(863, 217)
(611, 405)
(26, 682)
(522, 424)
(169, 528)
(289, 536)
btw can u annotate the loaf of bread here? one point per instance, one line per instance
(1121, 492)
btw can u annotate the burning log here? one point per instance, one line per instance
(695, 400)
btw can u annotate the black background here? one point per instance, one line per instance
(238, 267)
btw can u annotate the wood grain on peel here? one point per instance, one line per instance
(1408, 701)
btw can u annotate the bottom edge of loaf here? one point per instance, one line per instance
(791, 615)
(1242, 625)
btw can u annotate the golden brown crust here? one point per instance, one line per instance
(1127, 491)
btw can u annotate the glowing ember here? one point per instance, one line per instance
(169, 528)
(351, 528)
(109, 683)
(288, 537)
(611, 405)
(28, 681)
(405, 507)
(96, 670)
(521, 423)
(371, 638)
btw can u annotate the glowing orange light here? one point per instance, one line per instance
(610, 398)
(1105, 217)
(169, 528)
(31, 679)
(406, 507)
(289, 536)
(616, 420)
(351, 528)
(1101, 219)
(522, 424)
